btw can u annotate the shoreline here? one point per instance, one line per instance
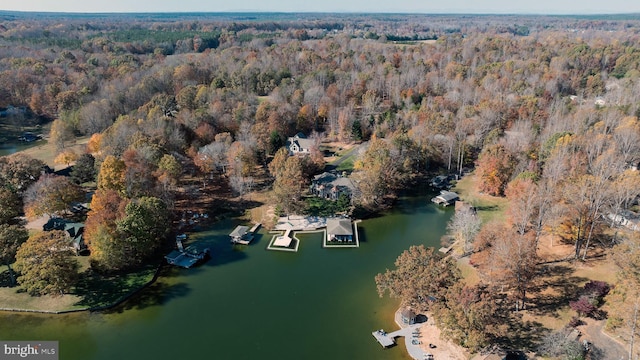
(429, 334)
(112, 305)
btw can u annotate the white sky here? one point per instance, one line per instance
(411, 6)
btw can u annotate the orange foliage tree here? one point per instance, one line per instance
(494, 168)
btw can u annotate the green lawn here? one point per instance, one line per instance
(489, 207)
(92, 290)
(46, 152)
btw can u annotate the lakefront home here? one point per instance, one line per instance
(330, 186)
(74, 230)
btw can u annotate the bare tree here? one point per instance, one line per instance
(464, 226)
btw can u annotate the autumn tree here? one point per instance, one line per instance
(470, 316)
(241, 160)
(66, 157)
(46, 264)
(19, 171)
(277, 164)
(100, 233)
(61, 132)
(51, 194)
(289, 184)
(623, 192)
(213, 157)
(376, 174)
(112, 174)
(140, 165)
(95, 142)
(143, 229)
(420, 276)
(10, 205)
(494, 168)
(522, 195)
(624, 299)
(512, 262)
(11, 237)
(84, 169)
(169, 170)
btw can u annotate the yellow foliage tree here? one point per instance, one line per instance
(66, 157)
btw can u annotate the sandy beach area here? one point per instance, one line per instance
(444, 349)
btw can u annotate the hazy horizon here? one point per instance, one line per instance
(542, 7)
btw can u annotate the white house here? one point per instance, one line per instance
(299, 144)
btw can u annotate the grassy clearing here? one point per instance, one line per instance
(46, 151)
(489, 207)
(469, 273)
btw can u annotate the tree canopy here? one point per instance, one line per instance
(419, 278)
(46, 264)
(51, 194)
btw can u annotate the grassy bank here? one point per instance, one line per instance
(92, 291)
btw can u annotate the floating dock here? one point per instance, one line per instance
(188, 257)
(383, 338)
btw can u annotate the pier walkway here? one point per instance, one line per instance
(407, 331)
(388, 339)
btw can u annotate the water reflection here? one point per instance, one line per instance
(248, 302)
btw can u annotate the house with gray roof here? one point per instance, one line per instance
(446, 198)
(339, 229)
(299, 144)
(330, 186)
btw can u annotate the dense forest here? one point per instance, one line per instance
(543, 110)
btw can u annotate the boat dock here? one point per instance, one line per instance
(187, 257)
(383, 338)
(243, 235)
(389, 339)
(410, 332)
(255, 228)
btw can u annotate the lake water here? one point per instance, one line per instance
(251, 303)
(10, 147)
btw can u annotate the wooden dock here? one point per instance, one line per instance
(388, 339)
(243, 235)
(255, 228)
(188, 257)
(383, 338)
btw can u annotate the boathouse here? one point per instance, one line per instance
(446, 198)
(241, 235)
(339, 229)
(408, 316)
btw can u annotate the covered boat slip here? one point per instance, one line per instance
(243, 235)
(446, 198)
(186, 258)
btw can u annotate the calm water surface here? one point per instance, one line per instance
(10, 147)
(250, 303)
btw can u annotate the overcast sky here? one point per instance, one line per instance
(412, 6)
